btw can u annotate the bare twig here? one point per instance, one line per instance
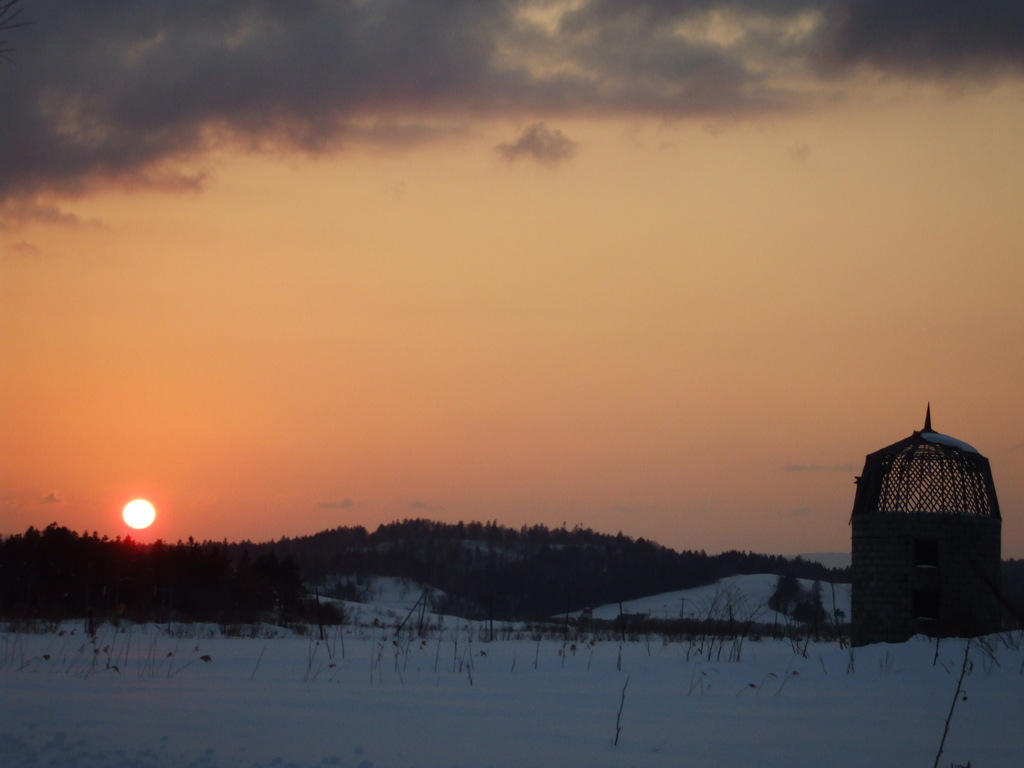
(9, 13)
(956, 696)
(258, 660)
(618, 716)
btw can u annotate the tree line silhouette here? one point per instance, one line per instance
(56, 573)
(475, 570)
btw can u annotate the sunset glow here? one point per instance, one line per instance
(667, 272)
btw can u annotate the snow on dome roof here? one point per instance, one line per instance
(927, 472)
(936, 437)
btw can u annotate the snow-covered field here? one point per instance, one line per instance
(746, 597)
(143, 696)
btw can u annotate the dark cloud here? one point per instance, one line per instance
(133, 91)
(51, 498)
(119, 90)
(926, 37)
(923, 37)
(538, 142)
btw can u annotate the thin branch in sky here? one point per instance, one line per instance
(9, 13)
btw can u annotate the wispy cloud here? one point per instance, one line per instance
(343, 504)
(538, 142)
(51, 498)
(15, 212)
(22, 250)
(799, 512)
(422, 506)
(799, 153)
(820, 468)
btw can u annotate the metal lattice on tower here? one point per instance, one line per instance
(927, 472)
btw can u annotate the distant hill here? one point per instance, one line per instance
(490, 570)
(473, 570)
(839, 560)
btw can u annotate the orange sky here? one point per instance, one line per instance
(690, 328)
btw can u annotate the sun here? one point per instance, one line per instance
(139, 513)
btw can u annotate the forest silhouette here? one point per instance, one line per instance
(474, 570)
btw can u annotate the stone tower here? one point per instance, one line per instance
(926, 541)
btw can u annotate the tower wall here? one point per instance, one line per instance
(930, 573)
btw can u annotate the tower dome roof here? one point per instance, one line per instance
(927, 472)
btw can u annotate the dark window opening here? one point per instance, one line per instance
(926, 552)
(926, 604)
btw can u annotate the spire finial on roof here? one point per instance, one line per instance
(928, 418)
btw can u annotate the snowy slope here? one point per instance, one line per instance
(746, 595)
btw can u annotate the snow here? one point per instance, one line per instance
(746, 596)
(937, 437)
(366, 699)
